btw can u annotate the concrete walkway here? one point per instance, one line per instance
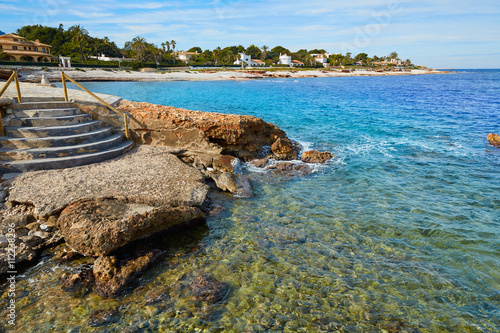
(38, 90)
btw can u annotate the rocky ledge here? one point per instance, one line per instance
(163, 183)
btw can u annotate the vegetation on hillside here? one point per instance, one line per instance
(80, 46)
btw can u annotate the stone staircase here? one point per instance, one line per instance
(54, 135)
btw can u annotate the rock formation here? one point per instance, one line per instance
(284, 149)
(112, 274)
(242, 136)
(494, 139)
(314, 156)
(97, 227)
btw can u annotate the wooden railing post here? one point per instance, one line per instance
(127, 134)
(63, 79)
(16, 78)
(6, 85)
(123, 114)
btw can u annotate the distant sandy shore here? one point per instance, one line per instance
(35, 75)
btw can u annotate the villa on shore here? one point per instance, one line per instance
(185, 56)
(283, 60)
(17, 48)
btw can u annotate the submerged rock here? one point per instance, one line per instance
(494, 139)
(99, 226)
(101, 317)
(314, 156)
(79, 283)
(290, 169)
(112, 275)
(260, 163)
(239, 185)
(207, 289)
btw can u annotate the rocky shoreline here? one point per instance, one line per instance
(97, 210)
(33, 74)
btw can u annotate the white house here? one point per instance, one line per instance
(185, 56)
(321, 58)
(247, 59)
(296, 63)
(103, 57)
(285, 59)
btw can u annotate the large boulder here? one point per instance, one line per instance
(239, 185)
(494, 139)
(96, 227)
(284, 149)
(314, 156)
(243, 136)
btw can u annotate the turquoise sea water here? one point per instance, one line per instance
(400, 232)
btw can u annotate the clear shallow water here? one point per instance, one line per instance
(401, 231)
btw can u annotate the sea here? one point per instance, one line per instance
(399, 232)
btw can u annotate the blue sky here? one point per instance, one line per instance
(439, 33)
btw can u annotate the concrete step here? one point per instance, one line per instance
(45, 113)
(50, 121)
(43, 105)
(38, 132)
(65, 162)
(55, 141)
(37, 153)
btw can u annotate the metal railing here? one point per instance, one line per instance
(14, 77)
(125, 115)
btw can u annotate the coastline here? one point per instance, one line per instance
(91, 74)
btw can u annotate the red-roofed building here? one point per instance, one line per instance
(17, 48)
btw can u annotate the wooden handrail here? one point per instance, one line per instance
(14, 77)
(123, 114)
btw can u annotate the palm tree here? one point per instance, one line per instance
(230, 57)
(79, 34)
(216, 53)
(139, 46)
(172, 42)
(265, 48)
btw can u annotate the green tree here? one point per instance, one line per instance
(195, 49)
(264, 54)
(336, 59)
(280, 49)
(140, 48)
(317, 51)
(253, 51)
(216, 54)
(393, 55)
(79, 35)
(361, 57)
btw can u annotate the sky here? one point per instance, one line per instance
(437, 33)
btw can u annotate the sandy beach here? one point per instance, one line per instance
(91, 74)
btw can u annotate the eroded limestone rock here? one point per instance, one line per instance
(112, 274)
(284, 149)
(494, 139)
(96, 227)
(314, 156)
(242, 136)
